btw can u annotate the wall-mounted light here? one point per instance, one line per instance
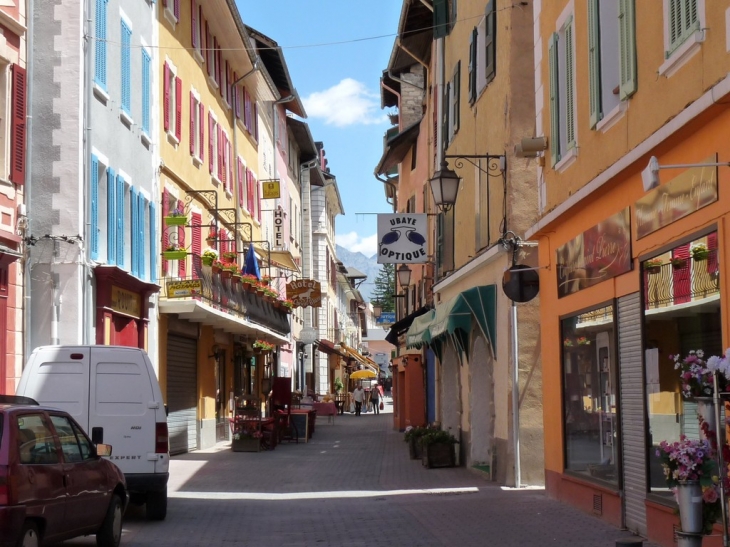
(530, 147)
(404, 275)
(650, 174)
(377, 309)
(216, 351)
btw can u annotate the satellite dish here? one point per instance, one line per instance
(521, 283)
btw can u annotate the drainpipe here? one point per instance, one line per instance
(387, 182)
(516, 395)
(29, 39)
(402, 81)
(306, 226)
(86, 314)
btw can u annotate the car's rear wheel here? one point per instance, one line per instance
(29, 537)
(156, 508)
(110, 533)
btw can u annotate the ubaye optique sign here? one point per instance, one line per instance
(402, 238)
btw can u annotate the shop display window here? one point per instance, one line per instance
(589, 394)
(681, 313)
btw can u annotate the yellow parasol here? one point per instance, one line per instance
(363, 374)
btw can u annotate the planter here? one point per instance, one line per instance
(414, 449)
(653, 270)
(246, 444)
(442, 455)
(206, 261)
(176, 221)
(700, 255)
(236, 278)
(689, 498)
(678, 264)
(226, 274)
(216, 269)
(174, 255)
(688, 540)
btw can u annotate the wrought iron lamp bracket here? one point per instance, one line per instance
(495, 163)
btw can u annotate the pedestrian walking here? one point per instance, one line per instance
(358, 396)
(375, 398)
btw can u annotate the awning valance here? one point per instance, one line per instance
(325, 346)
(369, 363)
(402, 325)
(282, 260)
(455, 318)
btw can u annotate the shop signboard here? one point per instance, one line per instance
(304, 292)
(683, 195)
(596, 255)
(402, 238)
(278, 228)
(181, 289)
(271, 189)
(126, 302)
(386, 318)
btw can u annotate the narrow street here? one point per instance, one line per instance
(353, 484)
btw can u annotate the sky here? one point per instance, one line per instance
(336, 51)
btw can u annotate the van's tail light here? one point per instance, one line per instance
(161, 438)
(4, 486)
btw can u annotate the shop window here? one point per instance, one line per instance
(681, 313)
(589, 394)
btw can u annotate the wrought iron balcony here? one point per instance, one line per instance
(681, 281)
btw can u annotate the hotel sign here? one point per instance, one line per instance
(271, 189)
(126, 302)
(278, 228)
(683, 195)
(304, 292)
(596, 255)
(181, 289)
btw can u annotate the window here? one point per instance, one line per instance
(562, 91)
(590, 385)
(445, 242)
(173, 103)
(473, 42)
(97, 174)
(684, 33)
(197, 127)
(683, 21)
(134, 199)
(146, 77)
(126, 62)
(111, 216)
(69, 443)
(215, 148)
(490, 42)
(172, 10)
(455, 90)
(611, 56)
(17, 124)
(444, 17)
(37, 445)
(196, 18)
(100, 45)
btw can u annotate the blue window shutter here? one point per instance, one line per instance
(126, 69)
(141, 216)
(111, 216)
(146, 61)
(120, 221)
(100, 49)
(133, 227)
(94, 221)
(153, 243)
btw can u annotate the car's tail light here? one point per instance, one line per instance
(161, 438)
(4, 485)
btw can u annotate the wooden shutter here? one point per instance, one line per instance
(230, 166)
(196, 243)
(219, 150)
(201, 117)
(176, 9)
(133, 229)
(194, 23)
(193, 135)
(223, 165)
(473, 66)
(165, 229)
(228, 83)
(249, 192)
(455, 92)
(240, 183)
(594, 64)
(234, 90)
(94, 221)
(445, 115)
(490, 41)
(246, 110)
(111, 216)
(211, 136)
(166, 87)
(255, 121)
(627, 43)
(569, 85)
(142, 209)
(17, 132)
(208, 50)
(554, 103)
(182, 263)
(120, 222)
(440, 18)
(178, 108)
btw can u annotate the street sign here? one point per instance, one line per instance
(386, 318)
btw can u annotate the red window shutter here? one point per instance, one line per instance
(196, 243)
(255, 122)
(202, 131)
(239, 166)
(165, 235)
(193, 109)
(208, 50)
(17, 136)
(194, 23)
(178, 108)
(712, 258)
(211, 135)
(164, 3)
(219, 68)
(249, 192)
(234, 95)
(246, 110)
(181, 264)
(223, 164)
(230, 167)
(220, 152)
(166, 85)
(201, 28)
(228, 83)
(215, 61)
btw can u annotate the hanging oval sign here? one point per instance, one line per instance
(521, 283)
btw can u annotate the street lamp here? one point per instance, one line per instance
(444, 187)
(404, 275)
(377, 309)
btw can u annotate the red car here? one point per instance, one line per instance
(54, 482)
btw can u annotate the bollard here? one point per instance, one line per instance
(629, 541)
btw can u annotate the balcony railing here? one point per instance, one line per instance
(221, 292)
(681, 281)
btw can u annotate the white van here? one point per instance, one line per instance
(112, 391)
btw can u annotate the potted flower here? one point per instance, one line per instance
(678, 263)
(288, 305)
(228, 269)
(229, 257)
(176, 217)
(690, 470)
(217, 266)
(413, 438)
(699, 251)
(173, 252)
(653, 265)
(262, 346)
(438, 449)
(208, 257)
(695, 373)
(583, 341)
(246, 435)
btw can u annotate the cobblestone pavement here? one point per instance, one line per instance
(353, 485)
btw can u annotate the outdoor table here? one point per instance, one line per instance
(326, 409)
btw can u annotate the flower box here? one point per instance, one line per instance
(176, 221)
(174, 255)
(414, 449)
(246, 444)
(438, 454)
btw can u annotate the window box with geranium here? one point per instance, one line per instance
(262, 346)
(173, 252)
(208, 257)
(653, 265)
(229, 257)
(288, 305)
(217, 266)
(678, 263)
(699, 251)
(176, 217)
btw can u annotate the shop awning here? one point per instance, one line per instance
(325, 346)
(369, 363)
(455, 318)
(402, 325)
(280, 259)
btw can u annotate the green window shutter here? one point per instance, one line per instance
(445, 116)
(594, 64)
(473, 66)
(440, 18)
(554, 105)
(490, 41)
(569, 86)
(455, 92)
(627, 39)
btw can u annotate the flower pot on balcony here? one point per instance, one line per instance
(700, 254)
(653, 270)
(216, 269)
(678, 263)
(174, 255)
(176, 221)
(226, 274)
(246, 444)
(206, 260)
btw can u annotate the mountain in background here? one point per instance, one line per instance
(368, 266)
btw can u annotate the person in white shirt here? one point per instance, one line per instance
(358, 396)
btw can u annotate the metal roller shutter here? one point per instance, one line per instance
(182, 399)
(633, 428)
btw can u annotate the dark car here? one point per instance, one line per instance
(54, 482)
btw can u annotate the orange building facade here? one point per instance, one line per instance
(632, 261)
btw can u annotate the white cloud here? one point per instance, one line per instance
(347, 103)
(356, 244)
